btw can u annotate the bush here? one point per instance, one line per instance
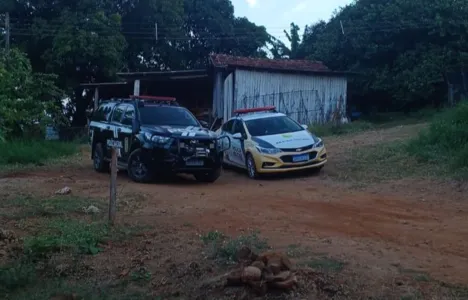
(446, 139)
(34, 151)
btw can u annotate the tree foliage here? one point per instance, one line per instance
(27, 99)
(92, 40)
(401, 49)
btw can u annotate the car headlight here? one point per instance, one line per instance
(157, 138)
(319, 144)
(268, 150)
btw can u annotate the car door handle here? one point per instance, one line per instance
(108, 127)
(119, 129)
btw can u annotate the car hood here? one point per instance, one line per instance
(296, 139)
(180, 131)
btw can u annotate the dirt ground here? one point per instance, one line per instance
(384, 233)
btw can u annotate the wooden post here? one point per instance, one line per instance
(113, 187)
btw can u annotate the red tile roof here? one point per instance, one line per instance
(223, 60)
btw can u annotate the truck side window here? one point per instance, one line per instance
(103, 113)
(129, 115)
(118, 113)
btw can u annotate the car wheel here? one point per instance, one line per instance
(251, 168)
(99, 162)
(209, 177)
(137, 169)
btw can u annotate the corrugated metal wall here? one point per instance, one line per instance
(227, 99)
(309, 99)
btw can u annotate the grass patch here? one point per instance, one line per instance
(374, 122)
(340, 129)
(445, 141)
(16, 276)
(67, 235)
(72, 236)
(23, 152)
(54, 206)
(377, 163)
(326, 264)
(89, 290)
(224, 249)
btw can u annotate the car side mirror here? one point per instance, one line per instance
(135, 126)
(237, 136)
(305, 126)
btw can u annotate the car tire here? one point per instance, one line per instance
(99, 162)
(137, 170)
(251, 168)
(208, 177)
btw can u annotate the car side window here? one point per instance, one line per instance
(129, 115)
(227, 127)
(118, 113)
(238, 128)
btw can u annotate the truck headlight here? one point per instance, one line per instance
(158, 139)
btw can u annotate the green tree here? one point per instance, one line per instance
(401, 48)
(280, 50)
(28, 100)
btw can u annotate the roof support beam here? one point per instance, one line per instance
(136, 87)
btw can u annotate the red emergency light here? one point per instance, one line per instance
(157, 98)
(257, 109)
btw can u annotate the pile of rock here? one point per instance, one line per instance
(263, 272)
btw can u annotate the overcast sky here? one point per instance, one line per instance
(276, 15)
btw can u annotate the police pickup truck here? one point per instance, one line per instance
(155, 137)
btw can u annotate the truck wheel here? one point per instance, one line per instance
(137, 170)
(251, 168)
(209, 177)
(99, 162)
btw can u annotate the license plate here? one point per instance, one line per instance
(194, 162)
(298, 158)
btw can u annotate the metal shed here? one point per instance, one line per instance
(305, 90)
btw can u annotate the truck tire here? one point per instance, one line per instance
(137, 170)
(208, 177)
(99, 162)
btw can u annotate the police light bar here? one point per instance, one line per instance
(154, 98)
(257, 109)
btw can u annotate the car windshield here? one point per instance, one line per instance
(272, 125)
(167, 115)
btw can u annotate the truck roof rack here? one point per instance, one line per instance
(255, 110)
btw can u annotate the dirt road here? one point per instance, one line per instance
(414, 224)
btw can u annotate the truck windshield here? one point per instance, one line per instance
(167, 115)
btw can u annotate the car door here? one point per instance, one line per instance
(116, 126)
(226, 130)
(237, 144)
(126, 134)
